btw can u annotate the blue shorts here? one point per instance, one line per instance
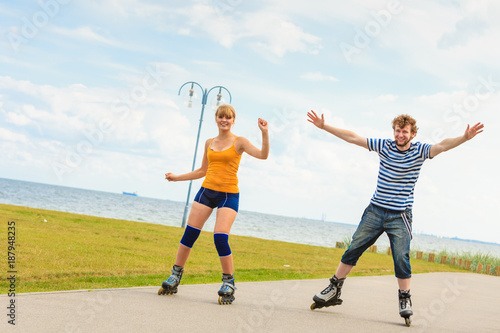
(218, 199)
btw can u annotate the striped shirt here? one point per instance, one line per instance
(398, 172)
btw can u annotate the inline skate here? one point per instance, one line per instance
(330, 296)
(226, 291)
(405, 310)
(169, 286)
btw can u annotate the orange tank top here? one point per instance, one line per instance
(222, 169)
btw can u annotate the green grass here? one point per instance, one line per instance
(72, 251)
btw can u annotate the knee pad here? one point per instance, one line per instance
(222, 244)
(190, 236)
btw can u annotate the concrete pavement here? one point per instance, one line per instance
(442, 302)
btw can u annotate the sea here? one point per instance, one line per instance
(170, 213)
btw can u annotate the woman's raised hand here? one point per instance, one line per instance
(263, 125)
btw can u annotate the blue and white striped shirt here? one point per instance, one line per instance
(398, 172)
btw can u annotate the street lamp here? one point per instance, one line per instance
(189, 100)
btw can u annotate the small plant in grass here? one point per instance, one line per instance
(475, 259)
(346, 241)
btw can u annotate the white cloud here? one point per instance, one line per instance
(465, 29)
(7, 135)
(386, 98)
(278, 35)
(459, 84)
(84, 33)
(268, 33)
(11, 61)
(17, 119)
(317, 76)
(452, 43)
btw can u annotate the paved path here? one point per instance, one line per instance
(442, 302)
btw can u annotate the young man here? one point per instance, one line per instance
(390, 207)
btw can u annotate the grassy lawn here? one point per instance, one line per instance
(71, 251)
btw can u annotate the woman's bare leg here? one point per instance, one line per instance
(197, 217)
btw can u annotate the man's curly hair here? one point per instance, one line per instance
(403, 120)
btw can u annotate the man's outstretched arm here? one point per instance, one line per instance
(343, 134)
(451, 143)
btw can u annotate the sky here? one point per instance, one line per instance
(89, 98)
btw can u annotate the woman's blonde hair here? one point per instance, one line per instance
(225, 110)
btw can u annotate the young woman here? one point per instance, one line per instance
(219, 189)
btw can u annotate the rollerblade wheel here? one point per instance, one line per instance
(408, 321)
(225, 300)
(314, 306)
(164, 291)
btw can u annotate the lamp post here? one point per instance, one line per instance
(189, 99)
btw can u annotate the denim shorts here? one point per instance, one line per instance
(375, 221)
(218, 199)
